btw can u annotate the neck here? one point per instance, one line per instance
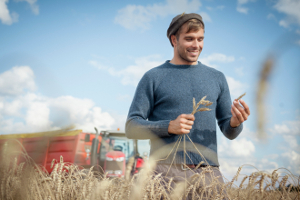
(182, 62)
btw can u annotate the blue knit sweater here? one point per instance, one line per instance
(167, 91)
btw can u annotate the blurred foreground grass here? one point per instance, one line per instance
(26, 180)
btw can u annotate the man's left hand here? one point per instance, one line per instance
(239, 113)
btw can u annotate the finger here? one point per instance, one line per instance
(233, 114)
(189, 122)
(184, 131)
(186, 121)
(246, 107)
(241, 110)
(185, 126)
(238, 114)
(237, 105)
(234, 122)
(190, 117)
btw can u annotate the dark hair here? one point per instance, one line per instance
(192, 25)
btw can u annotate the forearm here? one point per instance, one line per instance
(230, 132)
(223, 112)
(139, 128)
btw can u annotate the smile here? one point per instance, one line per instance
(193, 53)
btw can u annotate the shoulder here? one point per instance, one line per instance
(154, 76)
(157, 72)
(159, 69)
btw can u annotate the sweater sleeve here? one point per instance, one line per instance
(223, 113)
(137, 124)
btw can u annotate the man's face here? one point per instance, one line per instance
(188, 46)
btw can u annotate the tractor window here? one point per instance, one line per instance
(117, 144)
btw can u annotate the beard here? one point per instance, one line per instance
(183, 54)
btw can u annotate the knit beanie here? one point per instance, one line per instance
(179, 20)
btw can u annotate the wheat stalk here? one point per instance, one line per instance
(26, 180)
(241, 96)
(201, 102)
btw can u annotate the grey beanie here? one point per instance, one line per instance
(179, 20)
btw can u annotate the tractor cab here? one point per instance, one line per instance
(116, 149)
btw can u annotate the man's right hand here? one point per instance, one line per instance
(182, 124)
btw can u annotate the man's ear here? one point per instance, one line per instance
(174, 40)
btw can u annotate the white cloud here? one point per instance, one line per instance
(241, 2)
(239, 71)
(211, 59)
(12, 108)
(284, 23)
(271, 16)
(120, 121)
(133, 73)
(132, 17)
(241, 152)
(137, 16)
(125, 97)
(290, 131)
(288, 127)
(17, 80)
(242, 9)
(240, 147)
(292, 141)
(5, 16)
(220, 7)
(267, 165)
(209, 8)
(273, 156)
(236, 87)
(229, 166)
(80, 112)
(34, 7)
(9, 18)
(30, 112)
(205, 17)
(39, 113)
(291, 9)
(293, 159)
(37, 117)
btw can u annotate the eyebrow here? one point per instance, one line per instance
(202, 37)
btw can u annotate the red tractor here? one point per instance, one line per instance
(110, 150)
(114, 153)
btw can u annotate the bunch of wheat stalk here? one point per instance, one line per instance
(26, 180)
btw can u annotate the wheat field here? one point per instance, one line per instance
(26, 180)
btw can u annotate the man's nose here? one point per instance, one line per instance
(196, 43)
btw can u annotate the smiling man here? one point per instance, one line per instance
(163, 101)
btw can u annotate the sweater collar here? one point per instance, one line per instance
(182, 66)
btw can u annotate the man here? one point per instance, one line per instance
(163, 101)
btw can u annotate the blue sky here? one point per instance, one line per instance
(78, 62)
